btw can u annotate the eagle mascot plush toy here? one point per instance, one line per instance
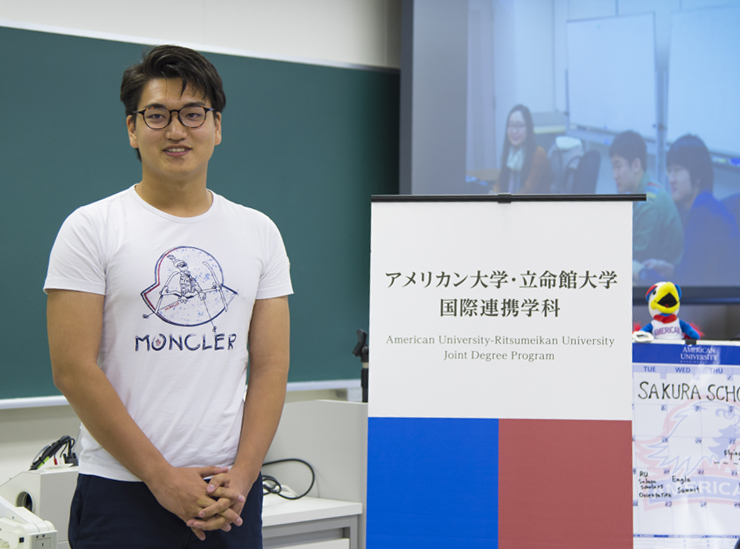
(664, 299)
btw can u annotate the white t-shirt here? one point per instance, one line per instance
(179, 294)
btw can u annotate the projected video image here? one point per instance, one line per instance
(642, 103)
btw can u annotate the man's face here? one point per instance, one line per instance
(626, 175)
(682, 192)
(175, 153)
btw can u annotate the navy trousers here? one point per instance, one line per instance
(111, 514)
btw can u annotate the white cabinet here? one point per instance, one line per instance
(310, 523)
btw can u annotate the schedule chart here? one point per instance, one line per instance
(686, 429)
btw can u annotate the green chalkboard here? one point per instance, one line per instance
(305, 144)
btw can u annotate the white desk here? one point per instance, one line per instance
(310, 523)
(332, 437)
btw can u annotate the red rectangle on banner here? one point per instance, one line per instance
(565, 484)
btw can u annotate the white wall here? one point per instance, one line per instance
(438, 106)
(662, 10)
(481, 131)
(530, 57)
(364, 32)
(567, 10)
(523, 58)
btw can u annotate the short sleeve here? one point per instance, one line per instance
(275, 278)
(76, 261)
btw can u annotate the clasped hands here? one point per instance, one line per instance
(213, 506)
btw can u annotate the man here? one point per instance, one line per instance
(656, 224)
(154, 296)
(712, 245)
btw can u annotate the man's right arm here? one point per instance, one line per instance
(75, 322)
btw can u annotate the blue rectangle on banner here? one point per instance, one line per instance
(432, 483)
(680, 353)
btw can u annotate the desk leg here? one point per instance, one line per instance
(351, 533)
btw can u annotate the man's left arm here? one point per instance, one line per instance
(269, 359)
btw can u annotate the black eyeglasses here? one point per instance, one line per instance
(158, 118)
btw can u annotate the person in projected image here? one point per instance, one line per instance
(711, 254)
(656, 225)
(525, 168)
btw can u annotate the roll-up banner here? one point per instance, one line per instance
(500, 397)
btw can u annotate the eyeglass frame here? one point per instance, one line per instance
(170, 111)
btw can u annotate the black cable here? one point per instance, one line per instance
(51, 449)
(270, 485)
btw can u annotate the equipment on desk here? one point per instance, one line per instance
(271, 485)
(46, 490)
(21, 529)
(45, 493)
(362, 351)
(51, 450)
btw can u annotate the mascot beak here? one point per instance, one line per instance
(664, 297)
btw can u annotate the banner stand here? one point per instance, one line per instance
(501, 375)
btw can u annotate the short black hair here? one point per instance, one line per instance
(691, 153)
(172, 62)
(630, 145)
